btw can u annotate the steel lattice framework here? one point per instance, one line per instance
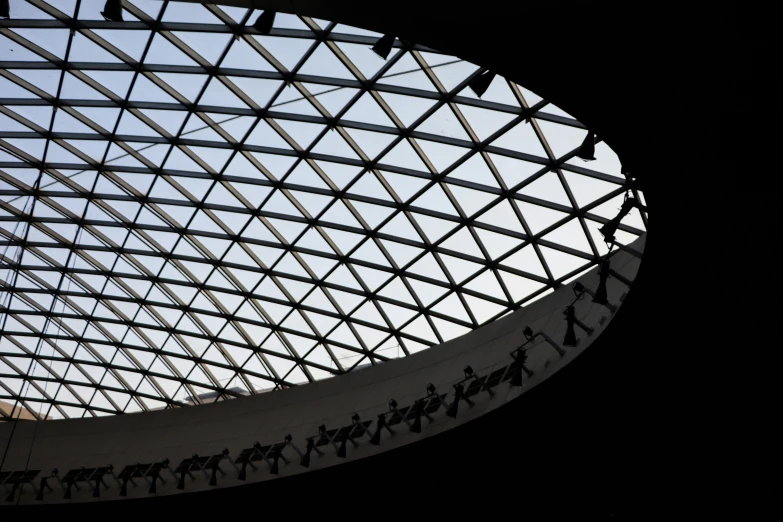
(187, 206)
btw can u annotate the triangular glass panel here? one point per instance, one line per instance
(538, 218)
(519, 287)
(570, 235)
(367, 110)
(561, 263)
(243, 56)
(209, 45)
(219, 95)
(548, 187)
(407, 108)
(85, 50)
(521, 138)
(332, 144)
(288, 51)
(323, 62)
(407, 73)
(163, 52)
(459, 268)
(484, 122)
(471, 201)
(483, 310)
(146, 91)
(514, 171)
(450, 71)
(132, 43)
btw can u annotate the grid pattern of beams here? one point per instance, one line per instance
(189, 207)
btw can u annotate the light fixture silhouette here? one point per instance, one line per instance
(609, 229)
(379, 425)
(468, 370)
(520, 358)
(305, 460)
(384, 45)
(185, 468)
(570, 336)
(274, 469)
(601, 296)
(587, 148)
(418, 408)
(528, 333)
(480, 83)
(112, 11)
(459, 390)
(265, 21)
(68, 486)
(5, 10)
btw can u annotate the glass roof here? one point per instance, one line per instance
(190, 208)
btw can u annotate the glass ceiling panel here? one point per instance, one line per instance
(241, 215)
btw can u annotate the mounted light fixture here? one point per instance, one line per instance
(112, 11)
(275, 468)
(379, 425)
(459, 390)
(418, 407)
(5, 11)
(609, 229)
(305, 460)
(480, 83)
(265, 21)
(384, 45)
(520, 359)
(570, 336)
(468, 370)
(587, 148)
(601, 296)
(528, 333)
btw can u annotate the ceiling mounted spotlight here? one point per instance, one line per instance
(600, 296)
(265, 21)
(431, 390)
(275, 468)
(5, 10)
(587, 148)
(418, 406)
(610, 227)
(305, 460)
(384, 46)
(570, 336)
(480, 83)
(528, 333)
(392, 405)
(520, 358)
(112, 11)
(459, 390)
(579, 290)
(379, 425)
(468, 371)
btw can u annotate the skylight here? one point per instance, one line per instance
(233, 215)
